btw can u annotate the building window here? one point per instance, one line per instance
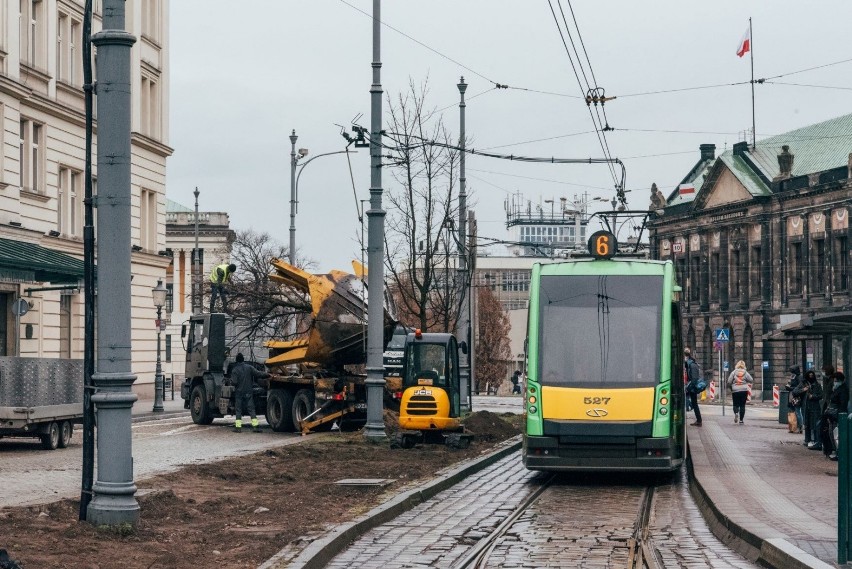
(818, 278)
(150, 19)
(32, 33)
(31, 156)
(69, 202)
(680, 267)
(754, 276)
(170, 298)
(68, 34)
(150, 107)
(714, 277)
(65, 326)
(168, 348)
(735, 274)
(841, 263)
(516, 281)
(796, 268)
(148, 220)
(694, 279)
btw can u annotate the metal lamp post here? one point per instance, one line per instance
(159, 295)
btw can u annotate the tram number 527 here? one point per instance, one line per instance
(602, 245)
(596, 400)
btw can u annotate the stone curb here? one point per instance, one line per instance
(774, 552)
(145, 417)
(321, 551)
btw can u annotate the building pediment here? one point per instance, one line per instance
(722, 187)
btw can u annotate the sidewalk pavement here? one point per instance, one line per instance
(142, 409)
(772, 498)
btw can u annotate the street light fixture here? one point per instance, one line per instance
(159, 295)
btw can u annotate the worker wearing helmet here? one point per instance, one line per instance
(243, 376)
(220, 275)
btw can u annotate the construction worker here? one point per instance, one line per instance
(243, 376)
(220, 275)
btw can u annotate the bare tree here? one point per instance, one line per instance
(261, 309)
(420, 239)
(493, 353)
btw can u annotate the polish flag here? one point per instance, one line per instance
(745, 44)
(685, 189)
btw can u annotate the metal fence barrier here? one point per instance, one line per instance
(844, 488)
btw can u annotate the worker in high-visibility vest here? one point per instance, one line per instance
(220, 275)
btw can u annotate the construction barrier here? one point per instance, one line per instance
(776, 396)
(711, 391)
(748, 397)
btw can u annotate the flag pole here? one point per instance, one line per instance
(751, 51)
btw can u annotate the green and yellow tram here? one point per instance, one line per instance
(604, 360)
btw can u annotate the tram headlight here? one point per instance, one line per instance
(532, 399)
(664, 401)
(533, 409)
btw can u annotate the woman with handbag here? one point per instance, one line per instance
(739, 380)
(838, 402)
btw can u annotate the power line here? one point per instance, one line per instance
(807, 85)
(809, 69)
(541, 139)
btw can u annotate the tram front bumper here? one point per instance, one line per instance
(599, 453)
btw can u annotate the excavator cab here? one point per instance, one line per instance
(430, 409)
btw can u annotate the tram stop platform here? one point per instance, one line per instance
(761, 490)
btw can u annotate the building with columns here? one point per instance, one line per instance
(42, 144)
(759, 237)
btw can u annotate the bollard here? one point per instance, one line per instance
(843, 450)
(782, 409)
(776, 396)
(711, 390)
(748, 396)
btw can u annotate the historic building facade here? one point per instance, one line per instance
(760, 241)
(42, 142)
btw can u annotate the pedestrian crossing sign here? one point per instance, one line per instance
(723, 335)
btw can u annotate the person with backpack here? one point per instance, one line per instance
(692, 375)
(739, 381)
(516, 382)
(794, 388)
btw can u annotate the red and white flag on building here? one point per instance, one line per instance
(685, 189)
(745, 43)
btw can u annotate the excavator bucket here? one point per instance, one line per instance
(338, 330)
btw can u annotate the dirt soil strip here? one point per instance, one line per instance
(322, 550)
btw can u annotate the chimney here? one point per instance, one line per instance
(708, 151)
(740, 148)
(785, 163)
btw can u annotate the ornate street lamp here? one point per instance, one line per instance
(159, 295)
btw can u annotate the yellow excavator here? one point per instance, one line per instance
(430, 408)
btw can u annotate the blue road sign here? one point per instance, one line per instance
(726, 366)
(723, 335)
(765, 365)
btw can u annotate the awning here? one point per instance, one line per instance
(834, 323)
(27, 262)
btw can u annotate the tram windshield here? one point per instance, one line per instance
(600, 330)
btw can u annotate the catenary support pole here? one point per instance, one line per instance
(464, 277)
(375, 428)
(113, 501)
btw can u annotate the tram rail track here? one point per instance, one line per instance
(642, 554)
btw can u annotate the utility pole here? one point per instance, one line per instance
(464, 277)
(113, 500)
(293, 139)
(374, 430)
(197, 295)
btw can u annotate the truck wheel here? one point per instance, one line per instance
(303, 405)
(66, 430)
(201, 414)
(279, 410)
(50, 439)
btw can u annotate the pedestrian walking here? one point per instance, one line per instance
(516, 382)
(243, 376)
(219, 277)
(812, 398)
(739, 380)
(795, 421)
(693, 376)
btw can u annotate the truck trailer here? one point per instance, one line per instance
(41, 398)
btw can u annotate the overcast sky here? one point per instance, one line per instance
(243, 75)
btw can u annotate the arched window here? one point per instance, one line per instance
(707, 350)
(748, 349)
